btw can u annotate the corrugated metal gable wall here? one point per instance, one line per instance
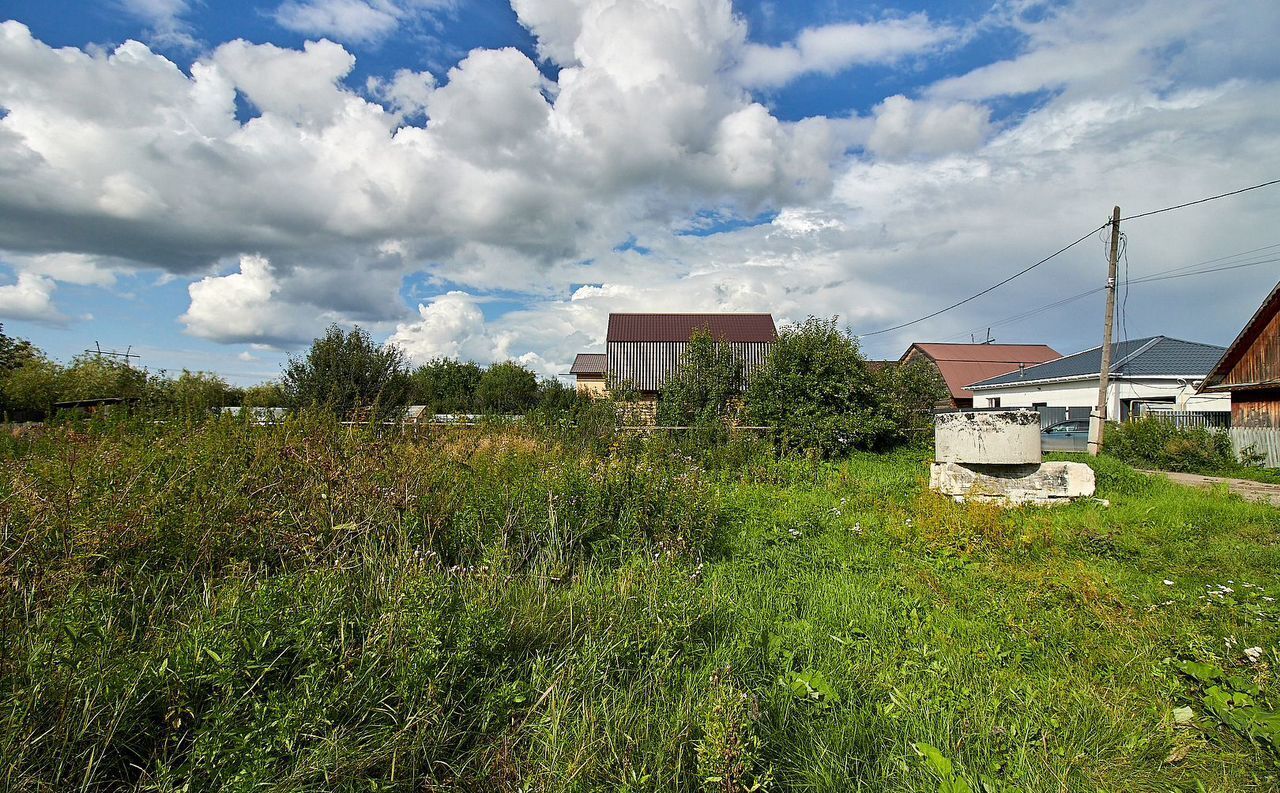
(646, 365)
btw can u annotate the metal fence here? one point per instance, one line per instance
(1051, 415)
(1211, 419)
(1263, 441)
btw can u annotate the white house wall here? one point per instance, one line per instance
(1084, 394)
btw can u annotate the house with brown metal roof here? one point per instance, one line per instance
(962, 364)
(1249, 370)
(643, 350)
(588, 371)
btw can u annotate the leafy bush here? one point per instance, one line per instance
(33, 386)
(817, 393)
(704, 387)
(191, 394)
(507, 387)
(343, 371)
(1158, 443)
(911, 392)
(264, 395)
(92, 376)
(447, 385)
(574, 418)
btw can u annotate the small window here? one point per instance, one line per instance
(993, 402)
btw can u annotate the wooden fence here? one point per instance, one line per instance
(1261, 440)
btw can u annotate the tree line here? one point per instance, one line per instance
(816, 392)
(342, 372)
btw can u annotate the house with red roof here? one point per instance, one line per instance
(963, 364)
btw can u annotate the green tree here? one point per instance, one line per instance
(93, 376)
(704, 386)
(817, 393)
(345, 371)
(14, 352)
(194, 393)
(33, 387)
(557, 399)
(507, 387)
(446, 385)
(265, 395)
(911, 392)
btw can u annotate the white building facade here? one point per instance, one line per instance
(1122, 394)
(1158, 371)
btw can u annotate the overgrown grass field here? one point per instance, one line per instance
(217, 606)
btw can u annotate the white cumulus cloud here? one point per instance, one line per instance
(496, 178)
(358, 21)
(833, 48)
(31, 298)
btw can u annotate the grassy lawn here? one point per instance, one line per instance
(303, 608)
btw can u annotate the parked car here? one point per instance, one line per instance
(1066, 436)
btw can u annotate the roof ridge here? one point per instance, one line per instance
(1150, 342)
(1194, 343)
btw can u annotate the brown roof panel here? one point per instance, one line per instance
(962, 364)
(588, 363)
(679, 327)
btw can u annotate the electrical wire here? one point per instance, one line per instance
(1201, 200)
(1152, 278)
(989, 289)
(1062, 250)
(1160, 275)
(1124, 300)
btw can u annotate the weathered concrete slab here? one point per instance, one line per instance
(1008, 437)
(1047, 483)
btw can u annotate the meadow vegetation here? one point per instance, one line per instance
(549, 605)
(1155, 443)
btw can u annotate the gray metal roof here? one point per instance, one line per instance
(1154, 356)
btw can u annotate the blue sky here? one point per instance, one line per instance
(213, 183)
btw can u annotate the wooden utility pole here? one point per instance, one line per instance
(1099, 417)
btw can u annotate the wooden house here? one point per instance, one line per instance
(1250, 369)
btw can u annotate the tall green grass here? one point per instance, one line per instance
(311, 607)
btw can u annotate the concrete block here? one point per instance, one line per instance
(1047, 483)
(1008, 437)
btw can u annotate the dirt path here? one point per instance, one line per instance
(1252, 491)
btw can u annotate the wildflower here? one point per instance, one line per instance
(1254, 654)
(1167, 582)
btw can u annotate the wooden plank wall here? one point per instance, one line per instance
(1263, 440)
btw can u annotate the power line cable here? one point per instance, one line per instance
(1064, 249)
(989, 289)
(1159, 275)
(1150, 279)
(1124, 301)
(1201, 200)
